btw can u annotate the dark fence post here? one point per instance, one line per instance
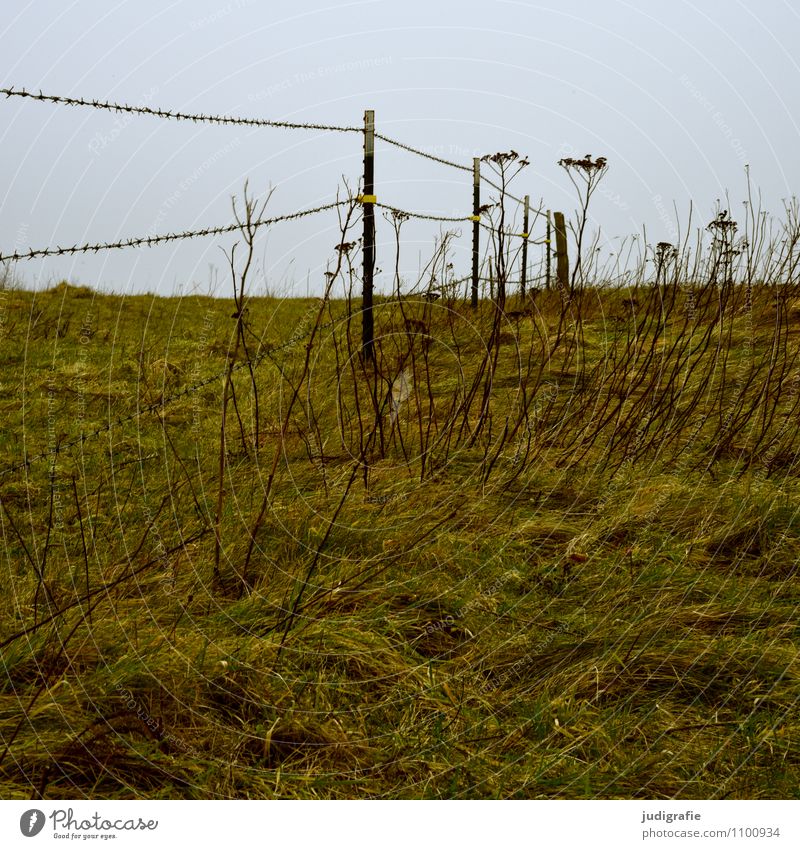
(524, 276)
(368, 201)
(476, 227)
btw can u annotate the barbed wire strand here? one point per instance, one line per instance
(173, 115)
(449, 162)
(468, 277)
(149, 241)
(461, 219)
(513, 235)
(500, 189)
(417, 152)
(423, 215)
(240, 121)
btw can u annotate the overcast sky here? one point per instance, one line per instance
(678, 96)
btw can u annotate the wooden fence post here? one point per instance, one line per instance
(562, 259)
(548, 258)
(524, 276)
(476, 227)
(368, 201)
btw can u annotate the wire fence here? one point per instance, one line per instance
(442, 161)
(152, 240)
(169, 114)
(423, 216)
(149, 241)
(125, 108)
(173, 115)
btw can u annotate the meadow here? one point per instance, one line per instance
(543, 549)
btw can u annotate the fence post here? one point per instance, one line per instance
(562, 259)
(368, 201)
(548, 258)
(476, 227)
(524, 276)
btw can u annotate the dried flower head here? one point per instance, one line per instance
(506, 158)
(587, 164)
(723, 223)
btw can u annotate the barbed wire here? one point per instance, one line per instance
(177, 116)
(449, 162)
(149, 241)
(423, 215)
(513, 235)
(467, 277)
(417, 152)
(158, 405)
(242, 121)
(507, 194)
(462, 219)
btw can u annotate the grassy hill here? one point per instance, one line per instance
(550, 553)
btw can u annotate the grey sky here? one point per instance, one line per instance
(678, 97)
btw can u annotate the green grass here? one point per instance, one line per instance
(609, 612)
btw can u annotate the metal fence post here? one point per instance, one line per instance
(524, 276)
(368, 201)
(476, 227)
